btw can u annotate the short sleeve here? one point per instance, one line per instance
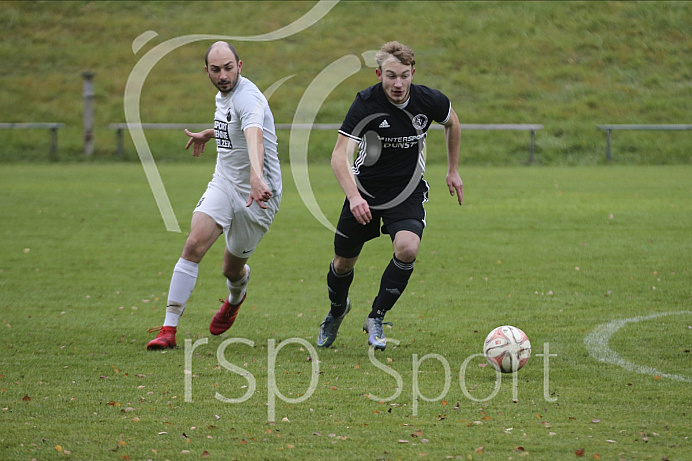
(442, 107)
(356, 113)
(250, 109)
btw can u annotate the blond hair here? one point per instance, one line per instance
(395, 50)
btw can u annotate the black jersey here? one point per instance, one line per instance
(391, 140)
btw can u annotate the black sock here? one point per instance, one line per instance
(338, 285)
(394, 281)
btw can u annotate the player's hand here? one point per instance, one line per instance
(259, 193)
(455, 185)
(199, 140)
(360, 210)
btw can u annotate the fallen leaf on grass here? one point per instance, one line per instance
(26, 398)
(417, 433)
(579, 452)
(402, 441)
(205, 454)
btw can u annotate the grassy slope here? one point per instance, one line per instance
(567, 65)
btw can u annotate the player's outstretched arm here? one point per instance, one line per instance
(344, 175)
(199, 140)
(453, 142)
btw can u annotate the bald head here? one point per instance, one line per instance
(223, 66)
(220, 46)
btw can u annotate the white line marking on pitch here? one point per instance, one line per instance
(597, 344)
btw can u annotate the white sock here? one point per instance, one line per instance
(171, 319)
(182, 283)
(238, 288)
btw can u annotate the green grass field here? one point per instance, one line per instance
(591, 261)
(85, 263)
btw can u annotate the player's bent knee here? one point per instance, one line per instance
(406, 246)
(343, 265)
(406, 254)
(194, 250)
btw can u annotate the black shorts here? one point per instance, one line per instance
(408, 215)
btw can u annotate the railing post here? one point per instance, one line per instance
(532, 145)
(608, 154)
(119, 136)
(88, 113)
(53, 142)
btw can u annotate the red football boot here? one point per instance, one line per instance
(224, 318)
(165, 338)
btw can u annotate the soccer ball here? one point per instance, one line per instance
(507, 349)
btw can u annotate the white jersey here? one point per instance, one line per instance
(245, 106)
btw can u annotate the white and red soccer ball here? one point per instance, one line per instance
(507, 349)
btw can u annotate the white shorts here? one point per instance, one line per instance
(243, 226)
